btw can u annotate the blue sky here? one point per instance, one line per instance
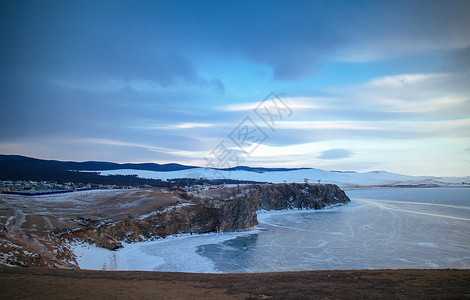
(369, 85)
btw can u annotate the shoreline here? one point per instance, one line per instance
(91, 257)
(171, 243)
(322, 284)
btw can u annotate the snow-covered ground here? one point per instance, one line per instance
(343, 179)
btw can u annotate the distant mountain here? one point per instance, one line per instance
(261, 170)
(17, 167)
(17, 161)
(343, 179)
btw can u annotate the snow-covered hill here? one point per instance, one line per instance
(343, 179)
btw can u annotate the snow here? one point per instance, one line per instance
(92, 257)
(73, 197)
(9, 259)
(164, 210)
(343, 179)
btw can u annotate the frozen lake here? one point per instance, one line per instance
(381, 228)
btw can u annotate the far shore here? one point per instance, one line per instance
(411, 186)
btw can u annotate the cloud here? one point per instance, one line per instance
(91, 44)
(143, 74)
(169, 80)
(459, 60)
(335, 154)
(158, 40)
(182, 126)
(218, 85)
(165, 70)
(384, 29)
(254, 32)
(413, 96)
(450, 128)
(298, 103)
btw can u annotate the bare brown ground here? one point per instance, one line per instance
(43, 214)
(43, 283)
(27, 221)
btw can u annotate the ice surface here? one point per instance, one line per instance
(381, 228)
(175, 253)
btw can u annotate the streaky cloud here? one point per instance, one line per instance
(335, 154)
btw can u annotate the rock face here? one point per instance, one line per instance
(231, 210)
(203, 216)
(300, 196)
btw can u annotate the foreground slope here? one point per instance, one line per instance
(40, 283)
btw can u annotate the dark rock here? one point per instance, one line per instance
(104, 240)
(196, 218)
(234, 209)
(299, 196)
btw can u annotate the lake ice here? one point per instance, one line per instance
(380, 228)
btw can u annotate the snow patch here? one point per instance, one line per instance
(164, 210)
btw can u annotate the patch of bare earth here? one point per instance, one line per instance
(26, 222)
(36, 283)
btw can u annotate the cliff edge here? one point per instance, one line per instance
(229, 209)
(296, 196)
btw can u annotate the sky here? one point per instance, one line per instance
(335, 85)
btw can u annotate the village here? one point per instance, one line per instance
(32, 188)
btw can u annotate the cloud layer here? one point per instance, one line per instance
(161, 81)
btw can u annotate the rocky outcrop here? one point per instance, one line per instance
(202, 217)
(296, 196)
(234, 209)
(210, 215)
(105, 240)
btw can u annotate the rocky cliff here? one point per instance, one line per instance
(201, 216)
(229, 210)
(296, 196)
